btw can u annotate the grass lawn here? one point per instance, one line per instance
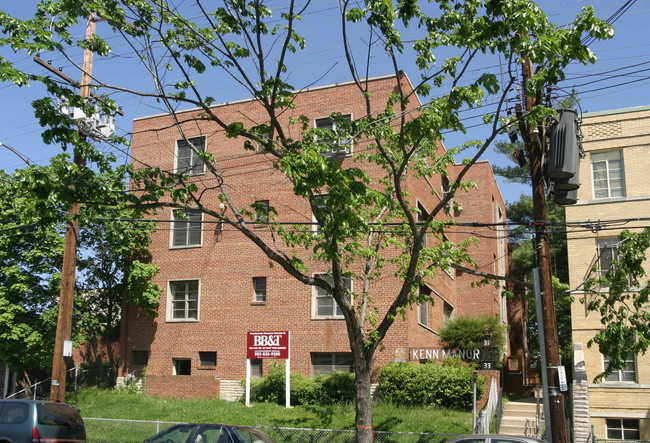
(119, 404)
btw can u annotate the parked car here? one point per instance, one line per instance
(494, 438)
(210, 433)
(33, 421)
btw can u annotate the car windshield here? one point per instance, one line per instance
(252, 436)
(56, 414)
(175, 434)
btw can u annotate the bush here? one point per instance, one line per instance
(336, 388)
(469, 332)
(429, 384)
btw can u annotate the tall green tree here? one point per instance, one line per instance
(621, 296)
(520, 213)
(184, 49)
(113, 260)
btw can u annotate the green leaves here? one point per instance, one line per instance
(622, 302)
(112, 254)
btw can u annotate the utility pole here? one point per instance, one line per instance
(534, 139)
(66, 296)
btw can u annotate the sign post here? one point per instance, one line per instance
(265, 344)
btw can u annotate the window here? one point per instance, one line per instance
(626, 375)
(13, 413)
(139, 358)
(186, 229)
(208, 359)
(623, 429)
(607, 255)
(448, 313)
(256, 368)
(423, 305)
(182, 366)
(608, 175)
(445, 191)
(340, 144)
(421, 217)
(320, 204)
(329, 363)
(261, 211)
(451, 272)
(187, 160)
(184, 300)
(324, 305)
(259, 289)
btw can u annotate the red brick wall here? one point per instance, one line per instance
(479, 206)
(183, 386)
(227, 262)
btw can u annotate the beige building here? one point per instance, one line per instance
(615, 186)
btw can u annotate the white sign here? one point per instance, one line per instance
(67, 348)
(561, 373)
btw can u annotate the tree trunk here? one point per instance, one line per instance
(111, 378)
(94, 346)
(365, 431)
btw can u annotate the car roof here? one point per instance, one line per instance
(498, 437)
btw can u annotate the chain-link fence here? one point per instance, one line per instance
(102, 430)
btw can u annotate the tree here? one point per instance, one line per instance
(622, 302)
(359, 219)
(112, 263)
(520, 213)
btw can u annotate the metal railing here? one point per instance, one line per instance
(485, 416)
(34, 388)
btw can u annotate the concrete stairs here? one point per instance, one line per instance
(519, 417)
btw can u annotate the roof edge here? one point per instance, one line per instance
(616, 111)
(314, 88)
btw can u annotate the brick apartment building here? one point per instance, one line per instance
(217, 285)
(614, 186)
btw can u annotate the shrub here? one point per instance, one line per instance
(447, 385)
(335, 388)
(468, 332)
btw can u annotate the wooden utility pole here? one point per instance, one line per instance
(66, 297)
(534, 138)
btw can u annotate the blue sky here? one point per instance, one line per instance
(620, 79)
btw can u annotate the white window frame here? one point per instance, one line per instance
(170, 300)
(445, 188)
(188, 226)
(259, 296)
(196, 166)
(602, 246)
(618, 375)
(318, 293)
(316, 227)
(447, 307)
(608, 159)
(333, 366)
(345, 144)
(423, 307)
(622, 429)
(612, 245)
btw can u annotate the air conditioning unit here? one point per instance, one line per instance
(340, 152)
